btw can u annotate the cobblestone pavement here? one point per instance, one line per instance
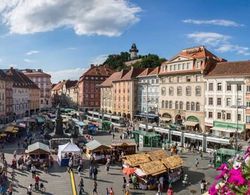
(58, 181)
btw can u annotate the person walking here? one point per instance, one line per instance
(196, 162)
(95, 172)
(81, 187)
(95, 188)
(111, 191)
(29, 189)
(170, 191)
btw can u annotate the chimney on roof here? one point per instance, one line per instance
(40, 70)
(92, 65)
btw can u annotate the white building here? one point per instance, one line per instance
(222, 98)
(148, 91)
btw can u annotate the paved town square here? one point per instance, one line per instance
(57, 181)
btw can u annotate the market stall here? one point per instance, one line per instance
(126, 146)
(39, 153)
(174, 166)
(68, 151)
(135, 160)
(97, 150)
(157, 154)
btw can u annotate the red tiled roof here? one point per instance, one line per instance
(113, 77)
(131, 74)
(36, 74)
(101, 70)
(58, 86)
(20, 79)
(240, 68)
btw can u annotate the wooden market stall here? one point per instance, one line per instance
(148, 170)
(157, 154)
(126, 146)
(135, 160)
(97, 150)
(39, 153)
(174, 165)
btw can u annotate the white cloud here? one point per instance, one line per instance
(28, 60)
(217, 22)
(208, 38)
(219, 42)
(99, 59)
(73, 74)
(32, 52)
(85, 17)
(234, 48)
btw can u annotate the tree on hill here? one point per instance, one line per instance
(116, 62)
(149, 61)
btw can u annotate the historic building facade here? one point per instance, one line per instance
(148, 91)
(227, 86)
(2, 97)
(43, 81)
(88, 87)
(182, 87)
(125, 93)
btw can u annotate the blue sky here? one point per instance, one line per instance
(65, 37)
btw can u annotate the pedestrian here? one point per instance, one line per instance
(107, 191)
(196, 162)
(159, 192)
(111, 191)
(29, 189)
(202, 185)
(121, 136)
(79, 170)
(95, 187)
(90, 172)
(124, 184)
(107, 166)
(10, 189)
(113, 136)
(170, 191)
(81, 187)
(95, 172)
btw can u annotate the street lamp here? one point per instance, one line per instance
(237, 83)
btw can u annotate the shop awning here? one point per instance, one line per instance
(165, 119)
(190, 123)
(155, 167)
(139, 172)
(11, 129)
(229, 130)
(173, 162)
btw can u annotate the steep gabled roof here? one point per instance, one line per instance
(150, 72)
(20, 79)
(70, 83)
(224, 69)
(113, 77)
(101, 70)
(132, 73)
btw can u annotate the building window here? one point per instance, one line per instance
(171, 91)
(218, 101)
(198, 107)
(188, 78)
(239, 117)
(248, 119)
(210, 86)
(210, 114)
(219, 86)
(248, 89)
(162, 104)
(228, 102)
(229, 87)
(228, 116)
(210, 101)
(176, 105)
(187, 106)
(166, 104)
(188, 91)
(192, 106)
(198, 91)
(163, 91)
(218, 115)
(170, 79)
(181, 105)
(179, 91)
(248, 104)
(170, 104)
(239, 87)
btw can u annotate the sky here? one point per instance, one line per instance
(64, 37)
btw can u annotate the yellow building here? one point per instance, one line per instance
(125, 93)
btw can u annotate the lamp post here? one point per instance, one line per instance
(237, 83)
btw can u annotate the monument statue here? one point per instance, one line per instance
(59, 122)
